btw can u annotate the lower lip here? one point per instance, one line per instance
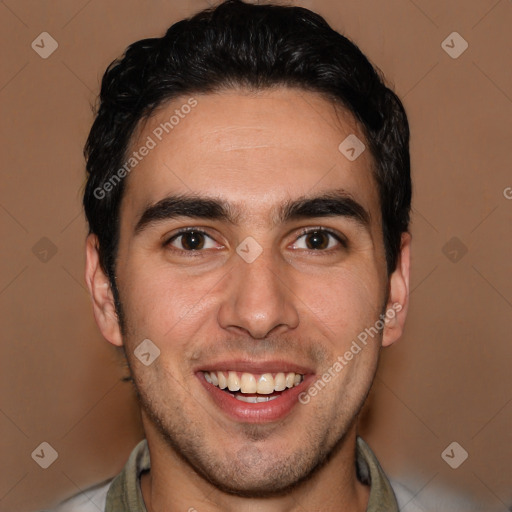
(263, 412)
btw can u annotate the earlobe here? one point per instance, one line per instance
(101, 293)
(398, 300)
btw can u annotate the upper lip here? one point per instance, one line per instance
(257, 367)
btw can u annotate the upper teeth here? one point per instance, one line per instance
(249, 383)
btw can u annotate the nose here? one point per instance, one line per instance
(258, 299)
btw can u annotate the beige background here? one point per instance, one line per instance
(448, 379)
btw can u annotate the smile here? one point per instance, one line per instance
(253, 388)
(256, 394)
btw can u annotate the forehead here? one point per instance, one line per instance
(252, 149)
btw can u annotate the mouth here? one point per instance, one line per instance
(255, 396)
(253, 388)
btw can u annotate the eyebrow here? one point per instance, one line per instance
(334, 203)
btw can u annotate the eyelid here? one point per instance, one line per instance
(338, 236)
(303, 231)
(183, 231)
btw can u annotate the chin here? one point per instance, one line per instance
(249, 473)
(257, 485)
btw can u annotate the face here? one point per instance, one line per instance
(251, 255)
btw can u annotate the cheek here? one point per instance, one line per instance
(345, 300)
(163, 303)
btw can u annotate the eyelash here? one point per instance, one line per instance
(198, 253)
(339, 238)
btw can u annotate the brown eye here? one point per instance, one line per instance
(318, 240)
(191, 240)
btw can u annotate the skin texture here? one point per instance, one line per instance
(254, 150)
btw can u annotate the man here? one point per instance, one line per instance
(248, 199)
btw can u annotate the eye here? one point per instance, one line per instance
(191, 240)
(319, 239)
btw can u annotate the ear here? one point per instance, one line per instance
(101, 294)
(398, 300)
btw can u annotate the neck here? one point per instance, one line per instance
(172, 485)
